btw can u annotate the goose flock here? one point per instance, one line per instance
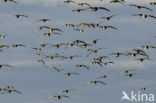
(73, 52)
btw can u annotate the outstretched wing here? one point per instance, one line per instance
(101, 82)
(13, 1)
(152, 16)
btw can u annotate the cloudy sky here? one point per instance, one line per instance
(37, 83)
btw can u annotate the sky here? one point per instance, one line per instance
(37, 83)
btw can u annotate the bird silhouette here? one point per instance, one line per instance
(97, 8)
(117, 1)
(67, 90)
(108, 17)
(125, 96)
(140, 7)
(144, 16)
(104, 27)
(58, 97)
(43, 20)
(20, 15)
(10, 1)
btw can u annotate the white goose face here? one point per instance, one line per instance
(144, 16)
(58, 97)
(145, 47)
(104, 27)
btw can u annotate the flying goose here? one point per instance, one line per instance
(37, 49)
(82, 4)
(69, 1)
(40, 61)
(81, 65)
(108, 17)
(44, 45)
(93, 51)
(58, 45)
(70, 57)
(20, 15)
(58, 97)
(95, 82)
(54, 67)
(8, 87)
(77, 10)
(132, 54)
(141, 52)
(145, 47)
(97, 8)
(100, 58)
(142, 59)
(80, 30)
(43, 20)
(140, 7)
(78, 41)
(18, 45)
(117, 54)
(13, 90)
(67, 90)
(49, 34)
(104, 27)
(95, 41)
(2, 46)
(51, 29)
(84, 45)
(105, 63)
(144, 88)
(144, 16)
(50, 57)
(117, 1)
(103, 76)
(70, 73)
(10, 1)
(3, 89)
(57, 69)
(130, 74)
(97, 62)
(127, 71)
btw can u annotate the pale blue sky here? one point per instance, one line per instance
(37, 83)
